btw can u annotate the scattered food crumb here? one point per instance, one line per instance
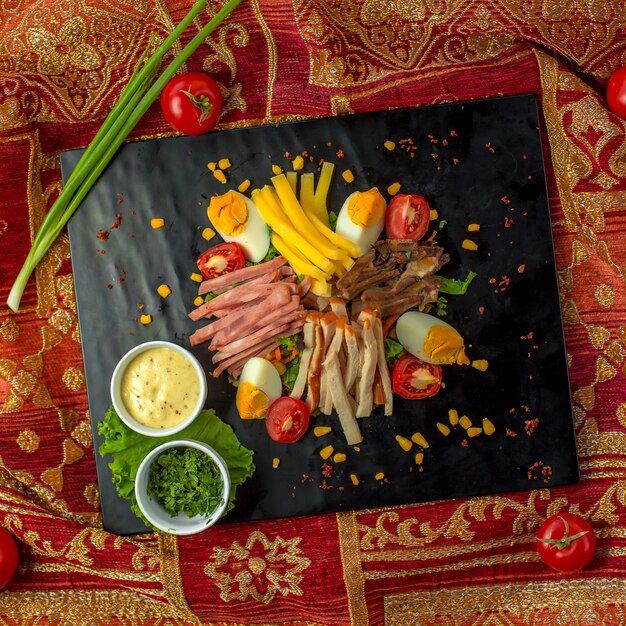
(212, 165)
(355, 479)
(277, 170)
(275, 462)
(348, 176)
(326, 452)
(404, 443)
(243, 185)
(219, 175)
(390, 145)
(480, 364)
(298, 163)
(379, 475)
(146, 319)
(197, 278)
(208, 233)
(443, 429)
(224, 163)
(468, 244)
(472, 228)
(164, 290)
(393, 189)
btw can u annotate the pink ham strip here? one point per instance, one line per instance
(304, 286)
(259, 318)
(229, 299)
(273, 330)
(245, 273)
(237, 319)
(256, 350)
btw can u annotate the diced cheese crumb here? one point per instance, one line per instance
(277, 169)
(453, 416)
(390, 145)
(472, 228)
(197, 278)
(275, 462)
(157, 222)
(393, 189)
(219, 175)
(208, 233)
(465, 422)
(379, 476)
(146, 319)
(212, 165)
(474, 431)
(223, 164)
(468, 244)
(298, 163)
(480, 364)
(355, 479)
(433, 214)
(443, 429)
(164, 290)
(357, 449)
(320, 431)
(199, 301)
(348, 176)
(279, 366)
(326, 452)
(404, 443)
(418, 438)
(488, 426)
(243, 185)
(419, 458)
(340, 457)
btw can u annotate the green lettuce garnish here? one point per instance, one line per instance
(455, 287)
(393, 351)
(129, 448)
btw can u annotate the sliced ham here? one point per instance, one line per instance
(238, 276)
(257, 350)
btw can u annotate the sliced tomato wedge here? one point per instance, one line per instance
(221, 259)
(287, 419)
(407, 217)
(414, 379)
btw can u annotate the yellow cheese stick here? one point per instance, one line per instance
(296, 260)
(321, 191)
(341, 242)
(307, 193)
(321, 288)
(277, 223)
(301, 222)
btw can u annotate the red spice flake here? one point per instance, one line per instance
(109, 286)
(432, 139)
(434, 155)
(305, 153)
(287, 155)
(444, 142)
(526, 408)
(455, 161)
(508, 222)
(453, 133)
(489, 147)
(324, 485)
(311, 158)
(118, 221)
(103, 235)
(481, 309)
(510, 433)
(530, 425)
(534, 470)
(327, 470)
(340, 154)
(530, 335)
(505, 200)
(524, 157)
(133, 213)
(329, 143)
(464, 443)
(101, 251)
(521, 268)
(306, 479)
(492, 281)
(547, 472)
(341, 488)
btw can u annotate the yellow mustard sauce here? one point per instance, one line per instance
(160, 387)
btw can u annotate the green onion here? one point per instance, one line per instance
(134, 101)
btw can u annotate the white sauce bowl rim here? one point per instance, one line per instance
(121, 409)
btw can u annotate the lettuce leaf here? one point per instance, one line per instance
(393, 351)
(455, 287)
(128, 449)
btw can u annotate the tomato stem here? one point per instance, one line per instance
(203, 103)
(565, 541)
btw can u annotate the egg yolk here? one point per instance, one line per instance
(366, 207)
(444, 345)
(228, 213)
(252, 403)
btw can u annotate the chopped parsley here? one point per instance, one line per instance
(209, 296)
(186, 480)
(332, 220)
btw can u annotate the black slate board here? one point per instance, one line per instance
(476, 162)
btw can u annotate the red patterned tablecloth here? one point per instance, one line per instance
(457, 562)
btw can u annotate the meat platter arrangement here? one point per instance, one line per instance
(373, 299)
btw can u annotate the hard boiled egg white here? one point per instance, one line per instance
(236, 218)
(259, 386)
(362, 217)
(430, 339)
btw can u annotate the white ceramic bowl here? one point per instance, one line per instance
(121, 409)
(180, 524)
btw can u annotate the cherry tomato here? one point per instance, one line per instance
(616, 92)
(191, 103)
(566, 542)
(221, 259)
(414, 379)
(8, 557)
(287, 419)
(407, 217)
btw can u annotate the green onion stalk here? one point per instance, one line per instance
(134, 101)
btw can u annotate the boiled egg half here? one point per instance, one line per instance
(236, 218)
(362, 217)
(259, 386)
(430, 339)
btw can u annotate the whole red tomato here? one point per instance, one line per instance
(8, 557)
(566, 542)
(191, 103)
(616, 92)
